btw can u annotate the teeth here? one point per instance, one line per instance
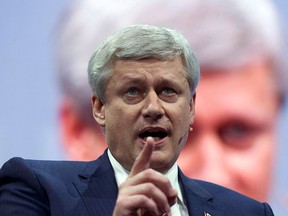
(156, 138)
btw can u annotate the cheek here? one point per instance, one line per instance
(117, 115)
(259, 156)
(255, 165)
(182, 116)
(120, 120)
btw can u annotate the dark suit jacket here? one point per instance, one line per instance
(60, 188)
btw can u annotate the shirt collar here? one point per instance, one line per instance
(121, 174)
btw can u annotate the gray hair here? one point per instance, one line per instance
(140, 42)
(223, 33)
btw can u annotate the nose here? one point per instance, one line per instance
(153, 108)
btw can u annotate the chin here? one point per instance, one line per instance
(160, 164)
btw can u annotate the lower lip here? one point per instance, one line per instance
(158, 143)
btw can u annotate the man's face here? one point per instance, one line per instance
(147, 98)
(233, 141)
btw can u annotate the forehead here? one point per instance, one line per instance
(149, 67)
(247, 91)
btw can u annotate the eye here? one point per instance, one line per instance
(168, 95)
(132, 92)
(168, 91)
(238, 134)
(133, 95)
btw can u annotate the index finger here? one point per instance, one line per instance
(142, 161)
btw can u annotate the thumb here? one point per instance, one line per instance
(142, 161)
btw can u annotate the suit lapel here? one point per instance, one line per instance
(98, 189)
(198, 200)
(97, 186)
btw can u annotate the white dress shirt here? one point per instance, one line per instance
(179, 208)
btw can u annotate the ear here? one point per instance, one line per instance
(192, 109)
(98, 111)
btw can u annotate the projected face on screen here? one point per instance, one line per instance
(233, 140)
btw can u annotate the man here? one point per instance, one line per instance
(239, 99)
(143, 80)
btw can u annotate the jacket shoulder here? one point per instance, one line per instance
(23, 167)
(231, 202)
(38, 187)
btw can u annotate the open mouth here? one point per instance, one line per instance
(155, 133)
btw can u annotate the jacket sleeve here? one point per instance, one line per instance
(268, 210)
(20, 191)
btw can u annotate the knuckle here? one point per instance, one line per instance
(149, 173)
(149, 187)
